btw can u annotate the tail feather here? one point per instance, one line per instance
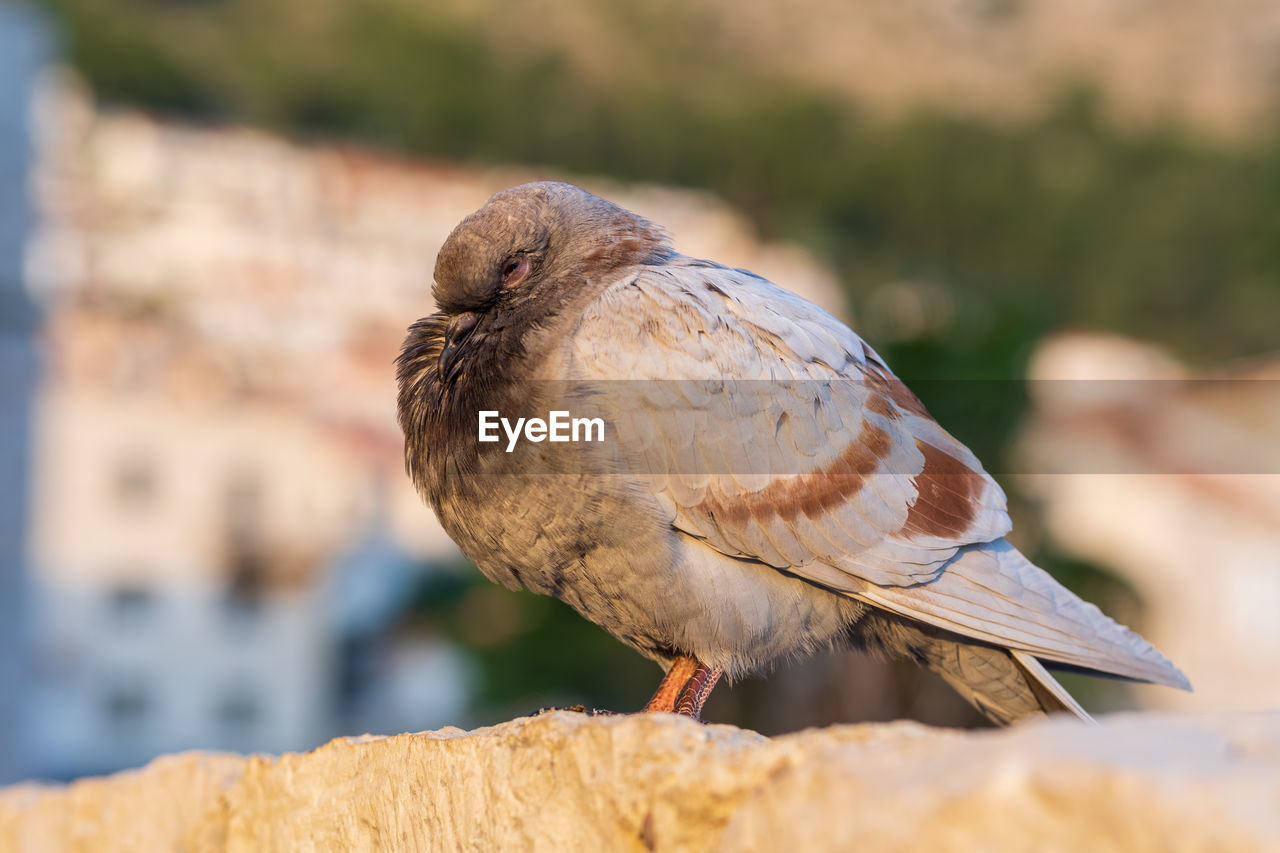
(1005, 685)
(1051, 695)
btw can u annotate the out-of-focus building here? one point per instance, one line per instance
(219, 509)
(1171, 478)
(23, 52)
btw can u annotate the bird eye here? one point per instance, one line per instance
(514, 270)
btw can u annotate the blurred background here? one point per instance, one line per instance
(220, 216)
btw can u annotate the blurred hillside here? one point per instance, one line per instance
(1209, 63)
(1017, 165)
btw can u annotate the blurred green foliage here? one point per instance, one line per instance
(530, 651)
(1019, 228)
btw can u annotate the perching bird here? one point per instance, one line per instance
(769, 489)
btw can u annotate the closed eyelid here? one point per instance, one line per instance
(515, 269)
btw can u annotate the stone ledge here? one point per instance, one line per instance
(566, 782)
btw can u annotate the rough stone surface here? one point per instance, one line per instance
(566, 782)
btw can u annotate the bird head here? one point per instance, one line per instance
(512, 263)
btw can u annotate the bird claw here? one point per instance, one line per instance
(576, 709)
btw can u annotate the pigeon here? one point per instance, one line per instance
(769, 487)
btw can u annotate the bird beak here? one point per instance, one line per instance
(456, 333)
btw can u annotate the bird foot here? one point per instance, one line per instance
(576, 709)
(685, 688)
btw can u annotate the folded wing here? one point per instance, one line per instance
(771, 431)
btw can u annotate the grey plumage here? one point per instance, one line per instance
(734, 528)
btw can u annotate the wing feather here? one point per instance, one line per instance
(993, 593)
(813, 452)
